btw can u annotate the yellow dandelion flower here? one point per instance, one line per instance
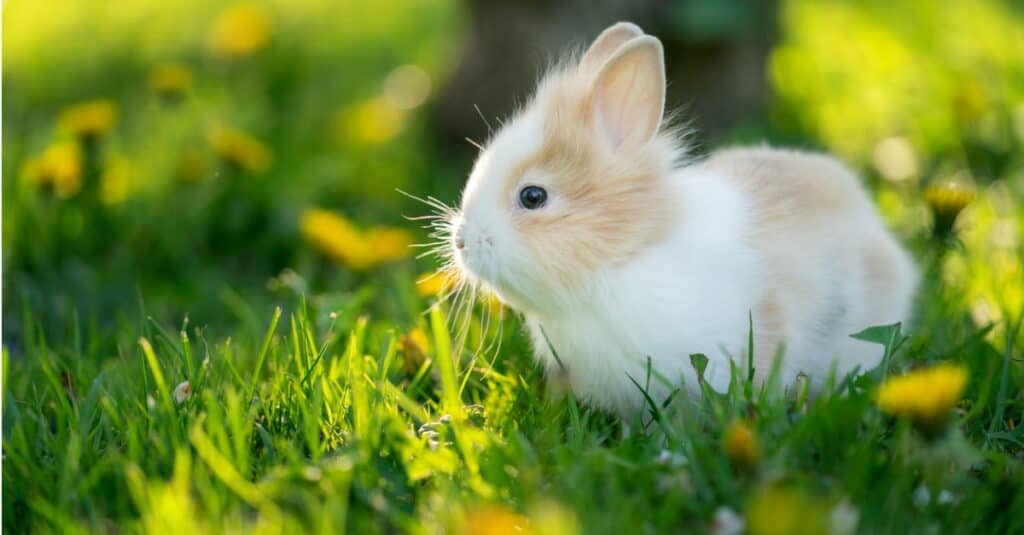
(334, 235)
(925, 396)
(969, 100)
(414, 347)
(340, 239)
(59, 167)
(551, 518)
(375, 121)
(436, 283)
(492, 303)
(441, 282)
(946, 201)
(416, 340)
(493, 520)
(240, 149)
(784, 511)
(116, 182)
(171, 80)
(741, 445)
(239, 30)
(389, 243)
(89, 120)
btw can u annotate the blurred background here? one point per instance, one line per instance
(210, 160)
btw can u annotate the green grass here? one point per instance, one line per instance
(328, 421)
(327, 400)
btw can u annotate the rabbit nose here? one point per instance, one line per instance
(460, 237)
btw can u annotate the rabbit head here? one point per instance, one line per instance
(574, 182)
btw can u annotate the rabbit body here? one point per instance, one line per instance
(626, 258)
(780, 244)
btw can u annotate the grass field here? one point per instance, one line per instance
(322, 422)
(212, 321)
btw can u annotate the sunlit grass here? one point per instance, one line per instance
(308, 428)
(213, 320)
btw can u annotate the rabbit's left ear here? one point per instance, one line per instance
(607, 43)
(628, 96)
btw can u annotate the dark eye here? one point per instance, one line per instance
(532, 197)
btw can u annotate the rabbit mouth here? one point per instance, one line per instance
(471, 258)
(482, 269)
(473, 251)
(477, 261)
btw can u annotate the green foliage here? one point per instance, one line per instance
(316, 430)
(948, 76)
(154, 380)
(202, 178)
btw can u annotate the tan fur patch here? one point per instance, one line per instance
(770, 329)
(614, 204)
(808, 211)
(784, 183)
(878, 263)
(882, 273)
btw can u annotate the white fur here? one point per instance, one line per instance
(695, 290)
(688, 294)
(493, 251)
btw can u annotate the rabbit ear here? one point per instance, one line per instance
(628, 96)
(607, 43)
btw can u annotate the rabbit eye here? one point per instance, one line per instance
(532, 197)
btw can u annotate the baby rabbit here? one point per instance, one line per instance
(583, 214)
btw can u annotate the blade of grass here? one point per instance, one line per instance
(264, 349)
(223, 469)
(391, 349)
(158, 375)
(357, 380)
(450, 401)
(1000, 403)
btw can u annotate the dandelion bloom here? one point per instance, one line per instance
(741, 445)
(334, 235)
(436, 283)
(375, 121)
(89, 120)
(552, 518)
(116, 182)
(493, 520)
(389, 243)
(240, 149)
(946, 201)
(925, 396)
(341, 240)
(239, 30)
(59, 167)
(414, 347)
(170, 81)
(492, 303)
(784, 511)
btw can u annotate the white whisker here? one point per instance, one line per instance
(484, 119)
(423, 217)
(468, 313)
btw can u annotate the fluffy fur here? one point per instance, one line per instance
(641, 256)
